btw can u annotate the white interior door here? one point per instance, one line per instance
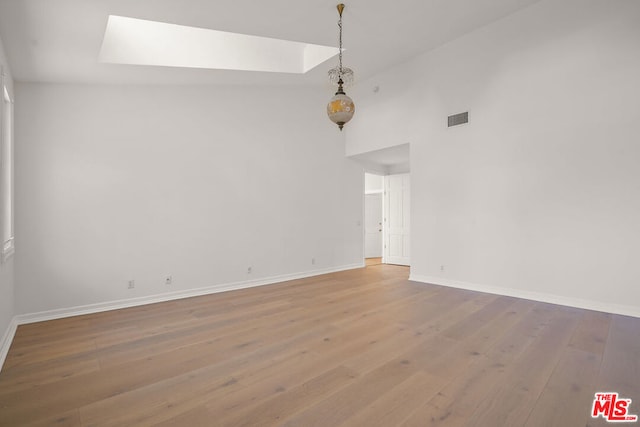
(373, 225)
(397, 220)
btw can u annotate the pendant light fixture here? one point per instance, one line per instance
(340, 108)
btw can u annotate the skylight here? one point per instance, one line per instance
(142, 42)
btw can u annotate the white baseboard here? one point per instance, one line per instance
(7, 339)
(625, 310)
(23, 319)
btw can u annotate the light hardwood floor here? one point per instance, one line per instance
(372, 261)
(361, 348)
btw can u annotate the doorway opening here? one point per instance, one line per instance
(387, 219)
(386, 234)
(373, 219)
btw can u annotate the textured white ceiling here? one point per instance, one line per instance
(59, 40)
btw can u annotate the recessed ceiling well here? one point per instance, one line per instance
(61, 41)
(142, 42)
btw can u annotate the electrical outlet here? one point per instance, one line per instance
(131, 284)
(168, 280)
(442, 268)
(248, 270)
(313, 261)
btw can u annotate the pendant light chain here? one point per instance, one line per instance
(340, 72)
(340, 44)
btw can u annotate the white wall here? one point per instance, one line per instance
(539, 194)
(373, 183)
(7, 304)
(117, 183)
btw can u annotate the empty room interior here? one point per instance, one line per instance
(276, 213)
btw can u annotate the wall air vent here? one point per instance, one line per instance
(458, 119)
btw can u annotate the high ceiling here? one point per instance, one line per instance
(59, 40)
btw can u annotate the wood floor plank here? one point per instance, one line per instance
(290, 374)
(340, 406)
(527, 376)
(393, 407)
(274, 411)
(591, 334)
(460, 396)
(191, 392)
(199, 417)
(51, 371)
(67, 419)
(621, 360)
(568, 395)
(353, 348)
(428, 416)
